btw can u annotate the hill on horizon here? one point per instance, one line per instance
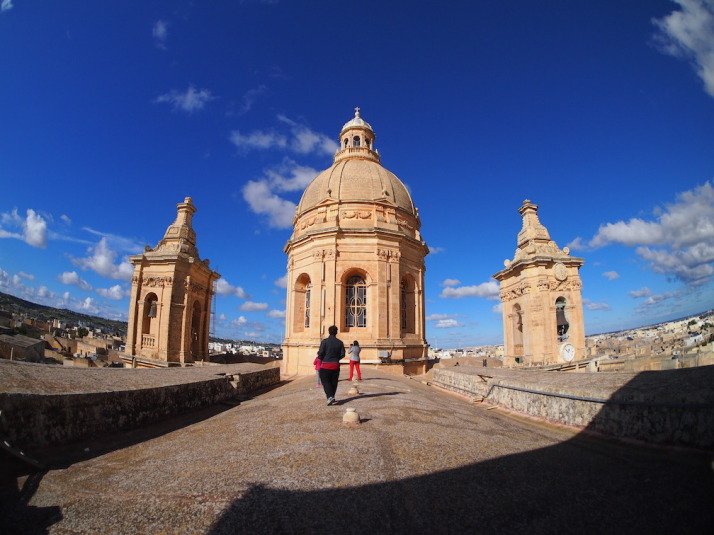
(45, 313)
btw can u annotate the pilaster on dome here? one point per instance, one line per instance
(357, 140)
(532, 229)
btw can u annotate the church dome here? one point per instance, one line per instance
(356, 174)
(356, 180)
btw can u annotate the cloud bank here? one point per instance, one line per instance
(677, 242)
(689, 34)
(188, 101)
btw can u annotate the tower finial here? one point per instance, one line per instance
(356, 112)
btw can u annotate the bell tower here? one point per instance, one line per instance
(170, 306)
(541, 298)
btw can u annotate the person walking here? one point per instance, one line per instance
(317, 362)
(354, 360)
(331, 351)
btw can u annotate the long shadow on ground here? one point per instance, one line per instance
(584, 485)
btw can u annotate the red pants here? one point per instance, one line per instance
(353, 365)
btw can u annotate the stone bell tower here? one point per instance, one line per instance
(170, 307)
(541, 298)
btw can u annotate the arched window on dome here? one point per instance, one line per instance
(356, 302)
(560, 320)
(356, 141)
(407, 304)
(347, 140)
(368, 143)
(301, 300)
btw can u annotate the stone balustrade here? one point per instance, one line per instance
(673, 407)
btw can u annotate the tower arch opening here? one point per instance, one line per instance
(561, 319)
(195, 331)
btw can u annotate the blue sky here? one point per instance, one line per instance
(600, 112)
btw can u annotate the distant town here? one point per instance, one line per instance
(35, 333)
(683, 337)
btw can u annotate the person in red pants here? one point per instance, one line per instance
(354, 360)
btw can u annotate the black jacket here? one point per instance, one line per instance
(331, 350)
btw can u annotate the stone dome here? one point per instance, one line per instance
(356, 180)
(356, 174)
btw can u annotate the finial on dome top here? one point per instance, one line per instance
(357, 112)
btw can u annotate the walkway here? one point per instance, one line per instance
(422, 461)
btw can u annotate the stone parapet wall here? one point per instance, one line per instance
(250, 382)
(674, 407)
(31, 420)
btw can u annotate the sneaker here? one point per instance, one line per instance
(330, 401)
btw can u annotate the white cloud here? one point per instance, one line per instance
(300, 139)
(642, 292)
(261, 195)
(45, 292)
(303, 140)
(258, 140)
(160, 31)
(6, 5)
(436, 250)
(115, 241)
(239, 322)
(689, 34)
(72, 278)
(279, 314)
(116, 292)
(497, 309)
(34, 227)
(630, 233)
(282, 282)
(223, 287)
(436, 317)
(250, 97)
(101, 259)
(448, 324)
(679, 242)
(488, 290)
(451, 282)
(26, 275)
(598, 306)
(263, 201)
(88, 306)
(251, 306)
(611, 275)
(578, 244)
(658, 298)
(66, 219)
(189, 101)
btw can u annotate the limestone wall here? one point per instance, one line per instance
(673, 407)
(32, 420)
